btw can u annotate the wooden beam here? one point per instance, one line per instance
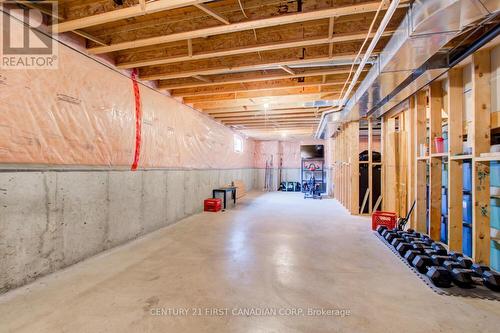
(190, 49)
(54, 15)
(353, 142)
(267, 116)
(256, 101)
(212, 13)
(121, 14)
(330, 36)
(287, 69)
(257, 107)
(481, 108)
(262, 93)
(201, 78)
(239, 112)
(261, 47)
(142, 3)
(435, 170)
(254, 76)
(421, 165)
(247, 25)
(212, 68)
(89, 37)
(255, 86)
(455, 138)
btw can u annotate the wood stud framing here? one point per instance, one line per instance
(412, 163)
(205, 52)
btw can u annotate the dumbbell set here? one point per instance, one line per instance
(431, 258)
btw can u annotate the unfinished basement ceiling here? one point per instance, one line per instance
(264, 67)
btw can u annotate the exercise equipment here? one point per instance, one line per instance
(479, 269)
(422, 262)
(440, 276)
(491, 280)
(465, 262)
(462, 277)
(381, 228)
(438, 260)
(451, 264)
(411, 254)
(402, 247)
(314, 191)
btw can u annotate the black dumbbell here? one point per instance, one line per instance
(440, 276)
(411, 254)
(384, 232)
(455, 255)
(440, 248)
(451, 264)
(381, 228)
(465, 262)
(421, 262)
(438, 260)
(395, 242)
(403, 247)
(390, 236)
(479, 269)
(462, 277)
(491, 280)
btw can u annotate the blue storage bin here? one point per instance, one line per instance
(444, 229)
(444, 202)
(467, 208)
(444, 175)
(495, 256)
(495, 213)
(495, 174)
(467, 176)
(467, 239)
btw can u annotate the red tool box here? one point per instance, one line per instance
(213, 205)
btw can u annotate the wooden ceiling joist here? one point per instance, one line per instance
(122, 13)
(261, 85)
(254, 76)
(241, 26)
(224, 113)
(271, 101)
(296, 91)
(259, 47)
(307, 115)
(212, 13)
(185, 69)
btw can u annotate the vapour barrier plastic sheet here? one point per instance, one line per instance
(84, 114)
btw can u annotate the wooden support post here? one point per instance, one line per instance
(421, 165)
(435, 172)
(411, 158)
(481, 101)
(353, 148)
(390, 165)
(455, 138)
(370, 166)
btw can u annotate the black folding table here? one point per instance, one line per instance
(224, 190)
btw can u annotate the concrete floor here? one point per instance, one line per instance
(275, 251)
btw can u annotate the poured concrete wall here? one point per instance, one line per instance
(52, 219)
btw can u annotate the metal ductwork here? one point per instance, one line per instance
(414, 56)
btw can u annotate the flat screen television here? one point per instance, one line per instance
(312, 151)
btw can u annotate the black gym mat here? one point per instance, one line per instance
(479, 290)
